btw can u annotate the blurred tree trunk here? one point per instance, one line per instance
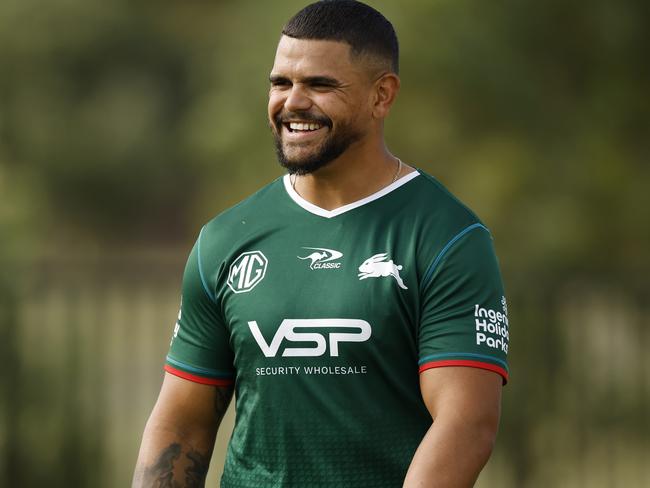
(10, 387)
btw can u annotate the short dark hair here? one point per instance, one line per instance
(362, 27)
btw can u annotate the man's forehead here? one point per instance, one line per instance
(308, 56)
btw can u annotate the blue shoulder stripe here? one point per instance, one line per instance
(200, 371)
(429, 273)
(468, 355)
(198, 257)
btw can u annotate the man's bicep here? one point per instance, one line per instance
(190, 405)
(468, 394)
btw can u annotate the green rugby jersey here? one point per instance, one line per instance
(323, 321)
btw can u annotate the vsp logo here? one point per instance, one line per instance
(247, 271)
(289, 330)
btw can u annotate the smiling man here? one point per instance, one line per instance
(354, 305)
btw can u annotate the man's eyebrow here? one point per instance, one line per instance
(308, 80)
(278, 79)
(321, 80)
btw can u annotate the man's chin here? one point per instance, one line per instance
(308, 158)
(302, 165)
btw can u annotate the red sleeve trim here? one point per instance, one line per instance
(464, 362)
(198, 379)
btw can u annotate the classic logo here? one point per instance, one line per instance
(376, 267)
(322, 258)
(287, 330)
(247, 271)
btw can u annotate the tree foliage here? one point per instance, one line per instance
(131, 121)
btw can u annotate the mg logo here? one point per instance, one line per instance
(289, 330)
(247, 271)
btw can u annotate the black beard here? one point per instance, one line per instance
(333, 147)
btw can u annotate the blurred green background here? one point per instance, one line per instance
(126, 125)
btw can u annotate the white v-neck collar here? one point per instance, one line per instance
(315, 209)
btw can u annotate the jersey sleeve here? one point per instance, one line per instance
(464, 316)
(200, 349)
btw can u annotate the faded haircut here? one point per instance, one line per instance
(364, 29)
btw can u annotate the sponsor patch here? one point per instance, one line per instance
(492, 329)
(247, 271)
(322, 258)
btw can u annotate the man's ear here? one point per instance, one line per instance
(386, 89)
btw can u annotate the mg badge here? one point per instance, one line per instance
(247, 271)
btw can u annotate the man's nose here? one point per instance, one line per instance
(297, 100)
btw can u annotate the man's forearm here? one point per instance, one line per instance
(451, 454)
(168, 461)
(179, 437)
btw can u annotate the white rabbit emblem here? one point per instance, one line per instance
(377, 266)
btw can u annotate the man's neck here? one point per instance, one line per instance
(349, 178)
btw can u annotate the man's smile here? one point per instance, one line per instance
(298, 131)
(303, 126)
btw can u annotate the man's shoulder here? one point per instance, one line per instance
(241, 217)
(436, 205)
(260, 201)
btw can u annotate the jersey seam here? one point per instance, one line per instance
(205, 380)
(197, 369)
(449, 355)
(198, 256)
(466, 362)
(445, 249)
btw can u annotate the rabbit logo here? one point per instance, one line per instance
(377, 266)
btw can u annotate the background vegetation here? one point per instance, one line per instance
(126, 125)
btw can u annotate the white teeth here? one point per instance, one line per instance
(303, 127)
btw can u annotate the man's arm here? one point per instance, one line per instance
(465, 404)
(179, 436)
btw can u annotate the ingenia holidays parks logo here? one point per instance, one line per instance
(492, 329)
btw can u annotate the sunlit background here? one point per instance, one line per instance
(125, 125)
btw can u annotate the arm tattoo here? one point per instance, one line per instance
(195, 463)
(222, 400)
(196, 473)
(161, 474)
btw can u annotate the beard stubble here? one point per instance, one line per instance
(335, 144)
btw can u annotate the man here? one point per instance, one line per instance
(348, 303)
